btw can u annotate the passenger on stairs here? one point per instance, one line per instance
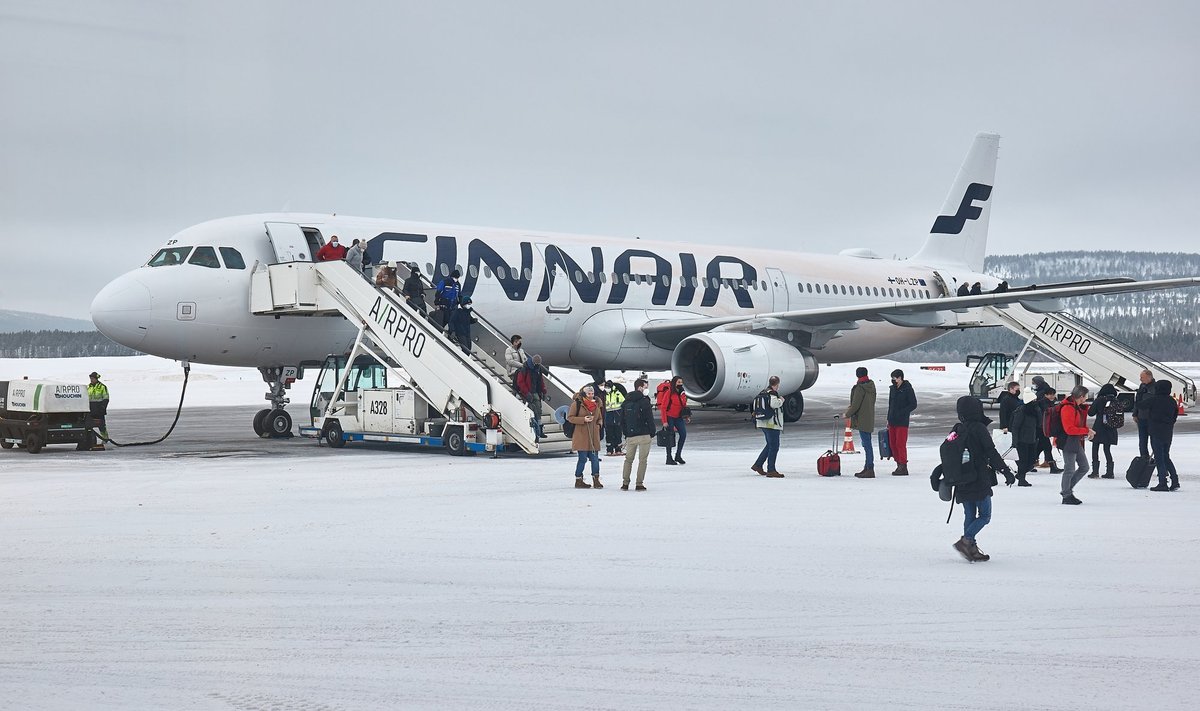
(460, 322)
(386, 276)
(354, 256)
(332, 251)
(445, 298)
(413, 290)
(531, 386)
(514, 358)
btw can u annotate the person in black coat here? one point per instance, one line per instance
(1009, 401)
(1046, 396)
(1105, 434)
(1163, 413)
(902, 401)
(974, 490)
(1141, 411)
(1024, 427)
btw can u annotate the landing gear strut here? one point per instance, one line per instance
(275, 421)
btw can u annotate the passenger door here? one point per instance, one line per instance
(288, 241)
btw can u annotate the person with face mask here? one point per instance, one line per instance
(332, 251)
(674, 412)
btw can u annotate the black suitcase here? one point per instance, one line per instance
(1140, 472)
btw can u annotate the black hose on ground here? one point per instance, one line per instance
(187, 369)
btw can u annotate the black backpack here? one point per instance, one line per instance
(629, 413)
(762, 406)
(956, 458)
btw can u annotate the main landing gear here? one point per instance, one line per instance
(275, 421)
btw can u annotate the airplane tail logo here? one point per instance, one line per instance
(959, 234)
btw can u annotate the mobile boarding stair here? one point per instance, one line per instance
(1092, 352)
(465, 388)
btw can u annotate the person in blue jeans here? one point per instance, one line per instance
(586, 413)
(771, 426)
(861, 413)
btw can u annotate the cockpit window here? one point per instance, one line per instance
(233, 258)
(169, 256)
(205, 257)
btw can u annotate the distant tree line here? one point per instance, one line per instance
(59, 344)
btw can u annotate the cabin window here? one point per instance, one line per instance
(591, 277)
(843, 289)
(474, 272)
(666, 279)
(487, 272)
(429, 268)
(233, 258)
(169, 256)
(603, 277)
(445, 270)
(501, 273)
(205, 257)
(625, 278)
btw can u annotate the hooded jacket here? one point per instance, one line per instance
(862, 406)
(901, 403)
(987, 461)
(1163, 410)
(1104, 433)
(1026, 423)
(1141, 400)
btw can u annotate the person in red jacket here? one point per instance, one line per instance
(1074, 423)
(332, 251)
(675, 414)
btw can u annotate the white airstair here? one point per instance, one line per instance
(433, 365)
(1092, 352)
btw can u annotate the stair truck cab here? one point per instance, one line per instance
(365, 409)
(34, 413)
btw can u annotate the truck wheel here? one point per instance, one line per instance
(259, 418)
(793, 407)
(33, 443)
(278, 423)
(88, 441)
(6, 445)
(456, 445)
(332, 434)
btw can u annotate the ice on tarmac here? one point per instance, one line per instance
(379, 579)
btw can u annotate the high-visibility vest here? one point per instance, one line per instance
(613, 400)
(97, 391)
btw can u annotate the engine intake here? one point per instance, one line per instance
(731, 368)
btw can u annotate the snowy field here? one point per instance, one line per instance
(225, 577)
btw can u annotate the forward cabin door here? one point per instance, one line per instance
(777, 287)
(289, 242)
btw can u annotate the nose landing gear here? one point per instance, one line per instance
(275, 422)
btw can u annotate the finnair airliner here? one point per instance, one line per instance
(718, 316)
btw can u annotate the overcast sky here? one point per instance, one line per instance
(796, 125)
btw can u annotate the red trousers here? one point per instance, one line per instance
(898, 441)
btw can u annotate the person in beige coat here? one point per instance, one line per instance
(587, 414)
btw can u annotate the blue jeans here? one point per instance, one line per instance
(976, 515)
(865, 438)
(680, 426)
(583, 457)
(1143, 438)
(770, 450)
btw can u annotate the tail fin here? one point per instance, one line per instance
(959, 234)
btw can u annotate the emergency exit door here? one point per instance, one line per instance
(777, 287)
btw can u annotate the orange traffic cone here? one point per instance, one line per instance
(1182, 410)
(848, 442)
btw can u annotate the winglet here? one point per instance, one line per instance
(959, 234)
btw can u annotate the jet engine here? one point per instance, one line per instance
(731, 368)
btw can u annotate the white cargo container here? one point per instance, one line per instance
(34, 413)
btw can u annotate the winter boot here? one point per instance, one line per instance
(1162, 486)
(596, 482)
(1054, 468)
(978, 556)
(679, 459)
(901, 470)
(670, 460)
(580, 484)
(773, 475)
(1070, 500)
(1022, 481)
(963, 546)
(866, 473)
(1108, 472)
(1174, 482)
(1095, 473)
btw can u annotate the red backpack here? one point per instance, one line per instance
(524, 382)
(661, 393)
(1052, 425)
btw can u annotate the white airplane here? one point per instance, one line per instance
(719, 316)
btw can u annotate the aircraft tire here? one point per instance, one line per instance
(278, 423)
(33, 444)
(259, 418)
(793, 407)
(455, 443)
(332, 434)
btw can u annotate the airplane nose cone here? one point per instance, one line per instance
(121, 311)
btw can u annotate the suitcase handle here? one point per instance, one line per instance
(837, 425)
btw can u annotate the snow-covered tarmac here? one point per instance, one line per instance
(222, 577)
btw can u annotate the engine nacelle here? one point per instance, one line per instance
(731, 368)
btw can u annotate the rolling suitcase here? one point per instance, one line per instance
(830, 463)
(885, 446)
(1140, 472)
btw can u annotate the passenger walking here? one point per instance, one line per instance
(531, 386)
(515, 357)
(976, 290)
(1163, 413)
(637, 418)
(1025, 426)
(1141, 411)
(675, 414)
(354, 256)
(386, 278)
(413, 290)
(98, 403)
(964, 289)
(1009, 401)
(974, 481)
(1073, 413)
(614, 397)
(771, 426)
(586, 413)
(1106, 435)
(460, 322)
(445, 298)
(902, 401)
(331, 251)
(862, 418)
(1046, 399)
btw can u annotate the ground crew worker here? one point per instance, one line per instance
(613, 430)
(98, 402)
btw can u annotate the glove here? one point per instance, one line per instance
(1009, 479)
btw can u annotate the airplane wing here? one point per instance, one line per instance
(827, 322)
